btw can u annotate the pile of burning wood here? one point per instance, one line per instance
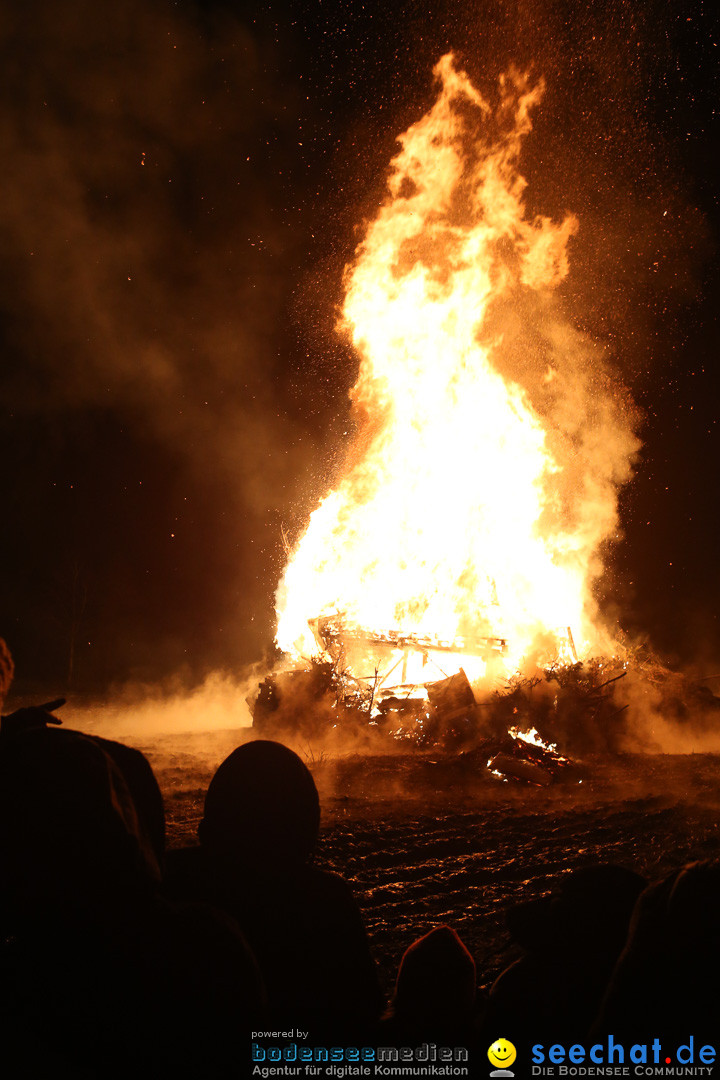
(514, 733)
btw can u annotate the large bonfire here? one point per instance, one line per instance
(473, 504)
(467, 528)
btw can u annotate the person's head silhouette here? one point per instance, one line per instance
(436, 980)
(262, 805)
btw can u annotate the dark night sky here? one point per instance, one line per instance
(181, 187)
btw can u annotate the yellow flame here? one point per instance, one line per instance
(532, 736)
(449, 520)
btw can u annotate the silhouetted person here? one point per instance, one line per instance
(133, 765)
(666, 979)
(143, 787)
(571, 942)
(99, 976)
(259, 829)
(435, 990)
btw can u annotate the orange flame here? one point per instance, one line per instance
(461, 513)
(532, 737)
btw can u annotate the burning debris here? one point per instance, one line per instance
(532, 729)
(571, 705)
(400, 652)
(527, 758)
(314, 700)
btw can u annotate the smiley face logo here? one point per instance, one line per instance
(502, 1054)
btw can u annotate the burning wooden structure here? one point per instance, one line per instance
(464, 533)
(396, 651)
(502, 732)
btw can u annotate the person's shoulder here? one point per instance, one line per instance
(327, 885)
(201, 969)
(186, 856)
(203, 932)
(186, 873)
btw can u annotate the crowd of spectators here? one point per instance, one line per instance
(118, 956)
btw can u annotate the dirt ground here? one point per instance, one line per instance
(431, 839)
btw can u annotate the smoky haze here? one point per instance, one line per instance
(181, 187)
(152, 445)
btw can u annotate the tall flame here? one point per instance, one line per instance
(463, 511)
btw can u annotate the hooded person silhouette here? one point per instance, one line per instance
(257, 838)
(666, 976)
(571, 940)
(435, 991)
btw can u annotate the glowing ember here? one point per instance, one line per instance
(495, 773)
(471, 509)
